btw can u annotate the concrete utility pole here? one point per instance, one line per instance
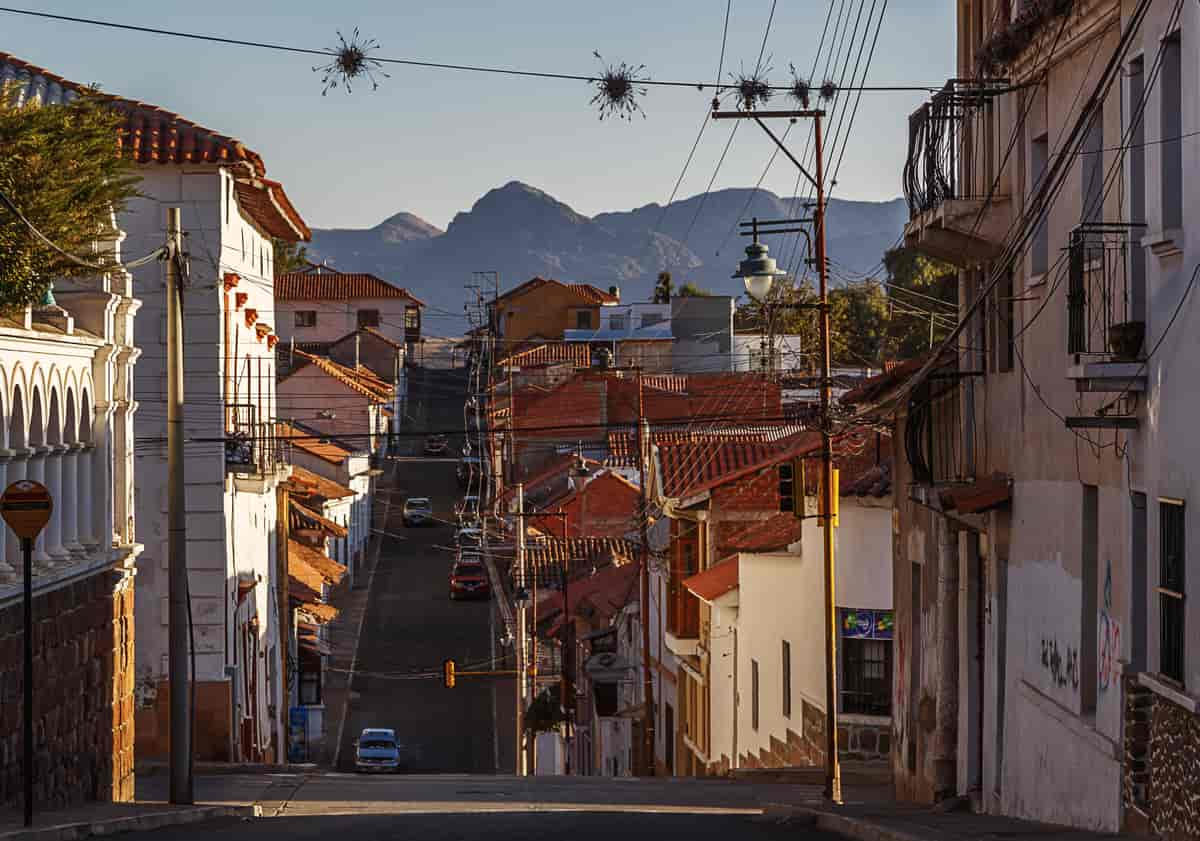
(178, 630)
(647, 679)
(519, 643)
(766, 272)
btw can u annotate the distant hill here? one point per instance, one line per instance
(521, 231)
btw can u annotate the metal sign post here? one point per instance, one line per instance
(26, 507)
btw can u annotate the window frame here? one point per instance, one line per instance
(754, 694)
(304, 318)
(582, 316)
(412, 318)
(368, 322)
(1171, 589)
(861, 678)
(786, 653)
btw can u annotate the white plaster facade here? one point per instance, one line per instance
(353, 470)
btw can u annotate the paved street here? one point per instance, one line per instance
(411, 626)
(504, 807)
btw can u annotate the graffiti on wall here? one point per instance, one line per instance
(1063, 666)
(1109, 631)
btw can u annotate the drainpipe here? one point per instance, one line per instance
(945, 735)
(734, 758)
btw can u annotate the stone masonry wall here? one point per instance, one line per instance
(83, 694)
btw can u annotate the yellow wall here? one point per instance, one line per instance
(543, 312)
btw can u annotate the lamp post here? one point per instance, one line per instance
(759, 272)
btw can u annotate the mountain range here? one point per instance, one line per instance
(522, 231)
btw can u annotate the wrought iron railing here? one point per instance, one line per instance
(251, 445)
(935, 440)
(949, 145)
(1098, 291)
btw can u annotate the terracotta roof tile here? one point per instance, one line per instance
(308, 485)
(154, 135)
(321, 283)
(622, 446)
(694, 467)
(323, 613)
(585, 291)
(598, 597)
(548, 557)
(312, 443)
(777, 532)
(575, 353)
(362, 379)
(325, 566)
(715, 581)
(302, 517)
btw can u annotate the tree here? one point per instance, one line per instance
(289, 256)
(923, 294)
(691, 290)
(60, 167)
(858, 322)
(664, 289)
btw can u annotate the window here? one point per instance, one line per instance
(1171, 589)
(1039, 156)
(787, 679)
(1137, 188)
(1004, 332)
(310, 683)
(306, 318)
(583, 320)
(616, 322)
(787, 488)
(1170, 130)
(754, 694)
(866, 676)
(368, 318)
(1090, 556)
(412, 318)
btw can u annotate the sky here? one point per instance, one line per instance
(431, 142)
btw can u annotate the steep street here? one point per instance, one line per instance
(411, 626)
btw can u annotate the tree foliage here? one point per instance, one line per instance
(664, 289)
(289, 256)
(60, 166)
(691, 290)
(869, 322)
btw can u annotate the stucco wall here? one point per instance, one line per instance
(335, 319)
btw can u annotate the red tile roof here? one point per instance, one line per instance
(312, 443)
(550, 555)
(715, 581)
(311, 486)
(622, 446)
(574, 353)
(690, 468)
(362, 379)
(770, 535)
(875, 481)
(304, 560)
(302, 517)
(321, 283)
(983, 494)
(598, 597)
(154, 135)
(585, 292)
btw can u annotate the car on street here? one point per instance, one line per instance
(418, 511)
(469, 470)
(435, 445)
(468, 578)
(468, 537)
(376, 750)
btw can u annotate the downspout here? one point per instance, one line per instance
(734, 758)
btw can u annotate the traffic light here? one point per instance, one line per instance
(448, 673)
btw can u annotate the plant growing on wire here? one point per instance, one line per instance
(349, 61)
(752, 89)
(618, 89)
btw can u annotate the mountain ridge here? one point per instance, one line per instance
(522, 231)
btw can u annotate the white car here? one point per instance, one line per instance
(418, 511)
(376, 749)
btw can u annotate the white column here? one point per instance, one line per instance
(70, 502)
(9, 571)
(86, 527)
(37, 473)
(54, 482)
(17, 466)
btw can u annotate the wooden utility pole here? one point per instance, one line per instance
(647, 679)
(177, 629)
(833, 782)
(519, 642)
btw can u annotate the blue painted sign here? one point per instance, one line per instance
(867, 624)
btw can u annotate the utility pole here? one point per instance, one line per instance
(647, 680)
(519, 642)
(833, 781)
(181, 707)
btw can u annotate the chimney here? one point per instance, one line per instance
(615, 291)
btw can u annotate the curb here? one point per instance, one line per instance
(153, 768)
(132, 823)
(848, 827)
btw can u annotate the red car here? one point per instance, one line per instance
(468, 579)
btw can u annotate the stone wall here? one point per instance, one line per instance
(1162, 765)
(83, 694)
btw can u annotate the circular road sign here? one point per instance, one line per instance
(26, 506)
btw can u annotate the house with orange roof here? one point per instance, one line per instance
(351, 405)
(231, 212)
(319, 304)
(543, 308)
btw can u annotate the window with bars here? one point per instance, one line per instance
(754, 694)
(1171, 584)
(866, 676)
(412, 318)
(787, 488)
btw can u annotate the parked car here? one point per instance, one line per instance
(468, 578)
(468, 537)
(418, 511)
(376, 749)
(435, 445)
(469, 470)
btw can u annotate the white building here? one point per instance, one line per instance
(230, 213)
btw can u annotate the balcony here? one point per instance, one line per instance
(948, 175)
(683, 619)
(936, 442)
(1105, 333)
(251, 446)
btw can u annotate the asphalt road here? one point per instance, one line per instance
(411, 626)
(502, 808)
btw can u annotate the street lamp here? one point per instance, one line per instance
(758, 270)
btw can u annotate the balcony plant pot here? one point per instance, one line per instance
(1125, 339)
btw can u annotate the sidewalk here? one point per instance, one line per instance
(351, 603)
(870, 813)
(111, 818)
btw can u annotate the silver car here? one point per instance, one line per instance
(377, 750)
(418, 511)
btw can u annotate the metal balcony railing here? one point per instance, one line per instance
(251, 445)
(949, 145)
(936, 445)
(1099, 311)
